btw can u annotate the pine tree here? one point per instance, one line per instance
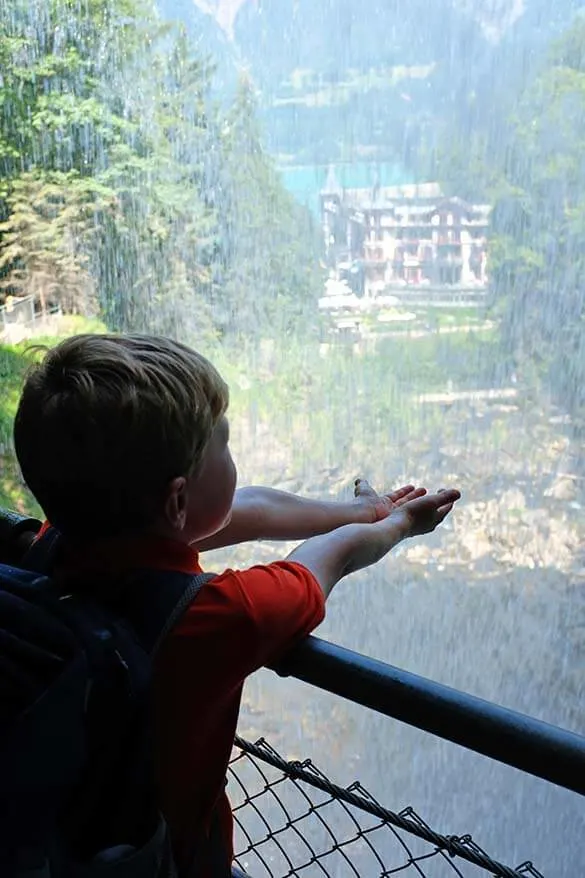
(272, 277)
(61, 122)
(121, 184)
(44, 239)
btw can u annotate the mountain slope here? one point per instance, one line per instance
(208, 36)
(333, 36)
(340, 80)
(224, 12)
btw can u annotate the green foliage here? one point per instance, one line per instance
(13, 494)
(270, 243)
(49, 224)
(538, 256)
(530, 166)
(124, 188)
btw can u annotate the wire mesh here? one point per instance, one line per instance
(290, 820)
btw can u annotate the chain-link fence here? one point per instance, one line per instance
(292, 820)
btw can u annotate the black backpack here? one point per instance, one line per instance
(77, 790)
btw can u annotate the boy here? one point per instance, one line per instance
(123, 440)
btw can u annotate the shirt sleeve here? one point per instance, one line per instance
(243, 620)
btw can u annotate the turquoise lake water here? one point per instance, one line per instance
(306, 181)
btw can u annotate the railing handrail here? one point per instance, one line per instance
(523, 742)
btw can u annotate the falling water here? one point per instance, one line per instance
(138, 189)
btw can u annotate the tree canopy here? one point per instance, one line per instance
(124, 189)
(528, 160)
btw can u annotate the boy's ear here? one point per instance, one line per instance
(175, 508)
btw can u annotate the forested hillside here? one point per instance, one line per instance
(126, 190)
(339, 81)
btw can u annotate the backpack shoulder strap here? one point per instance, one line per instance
(154, 601)
(189, 594)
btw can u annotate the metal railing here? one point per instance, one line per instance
(533, 746)
(292, 820)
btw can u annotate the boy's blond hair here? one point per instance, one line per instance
(105, 422)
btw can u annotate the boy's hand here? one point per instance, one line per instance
(422, 514)
(333, 555)
(376, 506)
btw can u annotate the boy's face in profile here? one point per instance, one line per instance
(210, 494)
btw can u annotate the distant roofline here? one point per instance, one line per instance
(429, 195)
(333, 186)
(388, 193)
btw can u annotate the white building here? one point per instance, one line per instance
(398, 236)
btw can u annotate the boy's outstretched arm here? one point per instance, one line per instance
(267, 514)
(332, 556)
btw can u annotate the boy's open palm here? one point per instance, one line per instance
(377, 506)
(422, 514)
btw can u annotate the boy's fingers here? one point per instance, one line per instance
(399, 493)
(444, 511)
(412, 495)
(437, 501)
(447, 495)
